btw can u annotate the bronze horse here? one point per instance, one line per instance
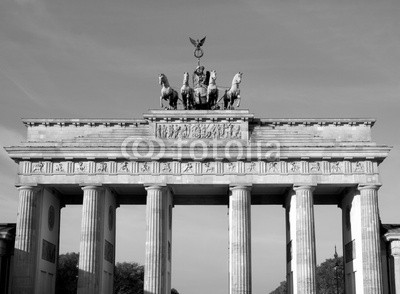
(167, 93)
(187, 93)
(212, 91)
(233, 93)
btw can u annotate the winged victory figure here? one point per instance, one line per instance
(197, 43)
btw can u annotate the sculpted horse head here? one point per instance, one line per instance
(213, 77)
(163, 80)
(237, 78)
(186, 78)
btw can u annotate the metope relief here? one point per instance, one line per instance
(102, 167)
(358, 167)
(209, 167)
(38, 167)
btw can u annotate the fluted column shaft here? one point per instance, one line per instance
(240, 240)
(395, 255)
(156, 233)
(89, 250)
(305, 240)
(25, 252)
(370, 235)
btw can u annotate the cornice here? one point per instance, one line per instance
(315, 121)
(107, 122)
(184, 115)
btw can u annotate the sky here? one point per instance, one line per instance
(300, 58)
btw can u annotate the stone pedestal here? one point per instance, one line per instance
(97, 248)
(157, 277)
(301, 255)
(240, 240)
(370, 236)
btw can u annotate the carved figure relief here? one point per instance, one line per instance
(294, 167)
(188, 168)
(124, 167)
(102, 167)
(199, 131)
(359, 167)
(145, 168)
(81, 166)
(209, 168)
(231, 167)
(315, 167)
(335, 167)
(38, 167)
(273, 167)
(251, 167)
(166, 167)
(59, 167)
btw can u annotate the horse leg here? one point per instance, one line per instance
(213, 101)
(238, 99)
(175, 97)
(161, 104)
(184, 100)
(191, 98)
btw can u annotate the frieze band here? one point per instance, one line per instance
(199, 131)
(199, 167)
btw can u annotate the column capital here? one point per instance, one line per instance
(390, 236)
(300, 186)
(155, 187)
(28, 187)
(92, 187)
(369, 186)
(395, 248)
(234, 187)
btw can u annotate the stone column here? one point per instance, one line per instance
(155, 276)
(91, 241)
(25, 252)
(370, 236)
(394, 264)
(305, 239)
(240, 240)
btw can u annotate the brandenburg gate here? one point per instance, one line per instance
(196, 157)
